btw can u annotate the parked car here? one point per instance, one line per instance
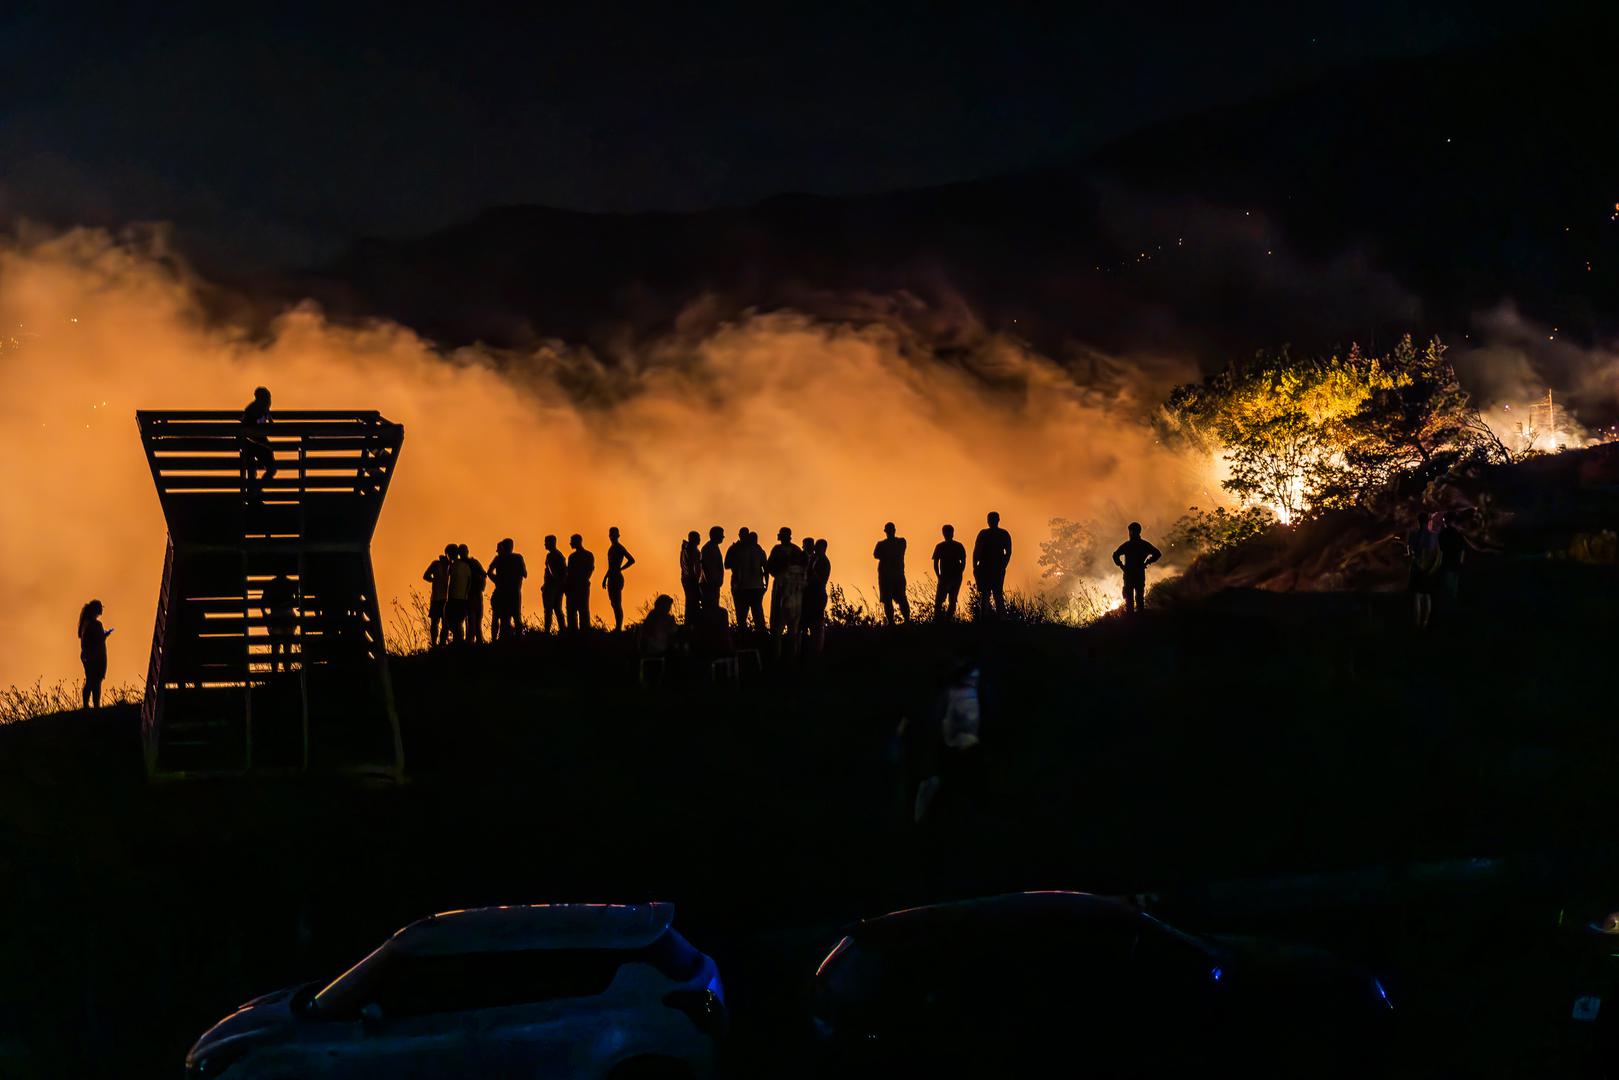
(1009, 984)
(554, 990)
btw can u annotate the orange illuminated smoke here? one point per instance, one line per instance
(773, 420)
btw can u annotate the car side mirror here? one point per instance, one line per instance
(371, 1012)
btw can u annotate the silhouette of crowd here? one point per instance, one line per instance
(781, 595)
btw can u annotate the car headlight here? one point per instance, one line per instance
(215, 1060)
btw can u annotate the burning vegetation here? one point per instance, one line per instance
(831, 427)
(1297, 436)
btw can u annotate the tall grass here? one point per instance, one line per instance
(29, 702)
(1081, 605)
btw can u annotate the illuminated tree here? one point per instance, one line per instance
(1204, 532)
(1299, 436)
(1422, 424)
(1068, 555)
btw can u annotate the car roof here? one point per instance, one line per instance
(536, 926)
(1007, 910)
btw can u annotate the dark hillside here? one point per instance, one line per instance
(1252, 736)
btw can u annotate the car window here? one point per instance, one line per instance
(419, 985)
(405, 984)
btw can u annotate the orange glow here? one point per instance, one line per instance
(775, 420)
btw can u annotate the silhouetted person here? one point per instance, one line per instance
(712, 638)
(786, 569)
(437, 575)
(475, 586)
(619, 560)
(713, 569)
(279, 605)
(1422, 548)
(746, 561)
(554, 585)
(817, 583)
(657, 634)
(691, 576)
(809, 557)
(581, 569)
(733, 554)
(456, 606)
(257, 453)
(961, 758)
(756, 595)
(1133, 557)
(507, 570)
(92, 652)
(949, 564)
(890, 556)
(992, 551)
(1453, 548)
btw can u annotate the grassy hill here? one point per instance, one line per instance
(1238, 744)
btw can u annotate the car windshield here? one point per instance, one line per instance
(345, 995)
(401, 983)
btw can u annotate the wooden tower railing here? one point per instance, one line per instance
(267, 653)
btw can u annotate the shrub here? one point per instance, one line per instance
(1204, 532)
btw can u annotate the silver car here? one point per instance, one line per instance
(551, 990)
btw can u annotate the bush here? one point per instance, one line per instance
(1204, 532)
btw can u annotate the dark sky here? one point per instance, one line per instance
(279, 132)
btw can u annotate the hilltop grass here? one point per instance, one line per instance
(1236, 734)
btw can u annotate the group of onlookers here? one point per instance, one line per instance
(795, 576)
(457, 582)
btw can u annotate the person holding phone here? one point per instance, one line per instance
(92, 652)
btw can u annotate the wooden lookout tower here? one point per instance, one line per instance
(268, 654)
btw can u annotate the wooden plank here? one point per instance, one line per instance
(172, 415)
(232, 444)
(280, 484)
(279, 427)
(289, 462)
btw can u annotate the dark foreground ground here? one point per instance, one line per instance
(1300, 764)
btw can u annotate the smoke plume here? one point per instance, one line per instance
(831, 428)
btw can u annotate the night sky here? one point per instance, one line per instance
(280, 133)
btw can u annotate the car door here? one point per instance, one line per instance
(546, 1012)
(415, 1025)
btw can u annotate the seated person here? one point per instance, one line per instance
(712, 638)
(657, 635)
